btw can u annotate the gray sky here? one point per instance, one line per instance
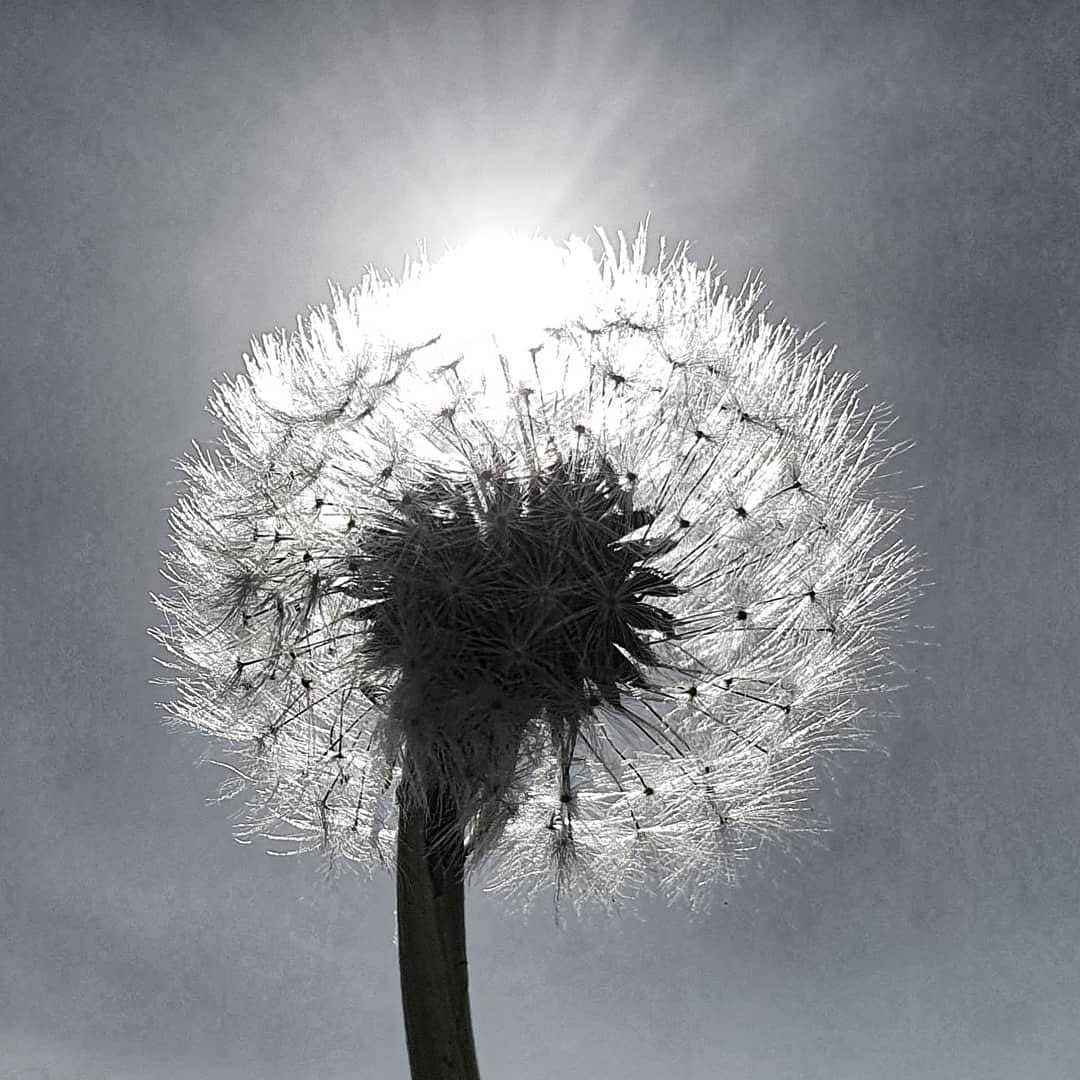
(177, 177)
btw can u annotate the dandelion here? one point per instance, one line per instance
(567, 571)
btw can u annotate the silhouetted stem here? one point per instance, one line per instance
(431, 941)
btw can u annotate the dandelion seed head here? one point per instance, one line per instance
(585, 545)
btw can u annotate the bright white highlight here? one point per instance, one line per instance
(507, 289)
(483, 312)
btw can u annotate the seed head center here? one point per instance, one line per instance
(550, 606)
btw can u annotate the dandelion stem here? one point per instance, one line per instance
(431, 939)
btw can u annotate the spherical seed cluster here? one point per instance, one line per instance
(607, 576)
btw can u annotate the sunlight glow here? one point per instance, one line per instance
(506, 288)
(487, 307)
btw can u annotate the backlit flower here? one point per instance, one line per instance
(588, 551)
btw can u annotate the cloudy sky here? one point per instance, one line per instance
(175, 177)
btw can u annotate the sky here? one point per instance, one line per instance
(177, 177)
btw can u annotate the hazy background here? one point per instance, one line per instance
(177, 177)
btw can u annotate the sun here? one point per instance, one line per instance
(484, 312)
(507, 288)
